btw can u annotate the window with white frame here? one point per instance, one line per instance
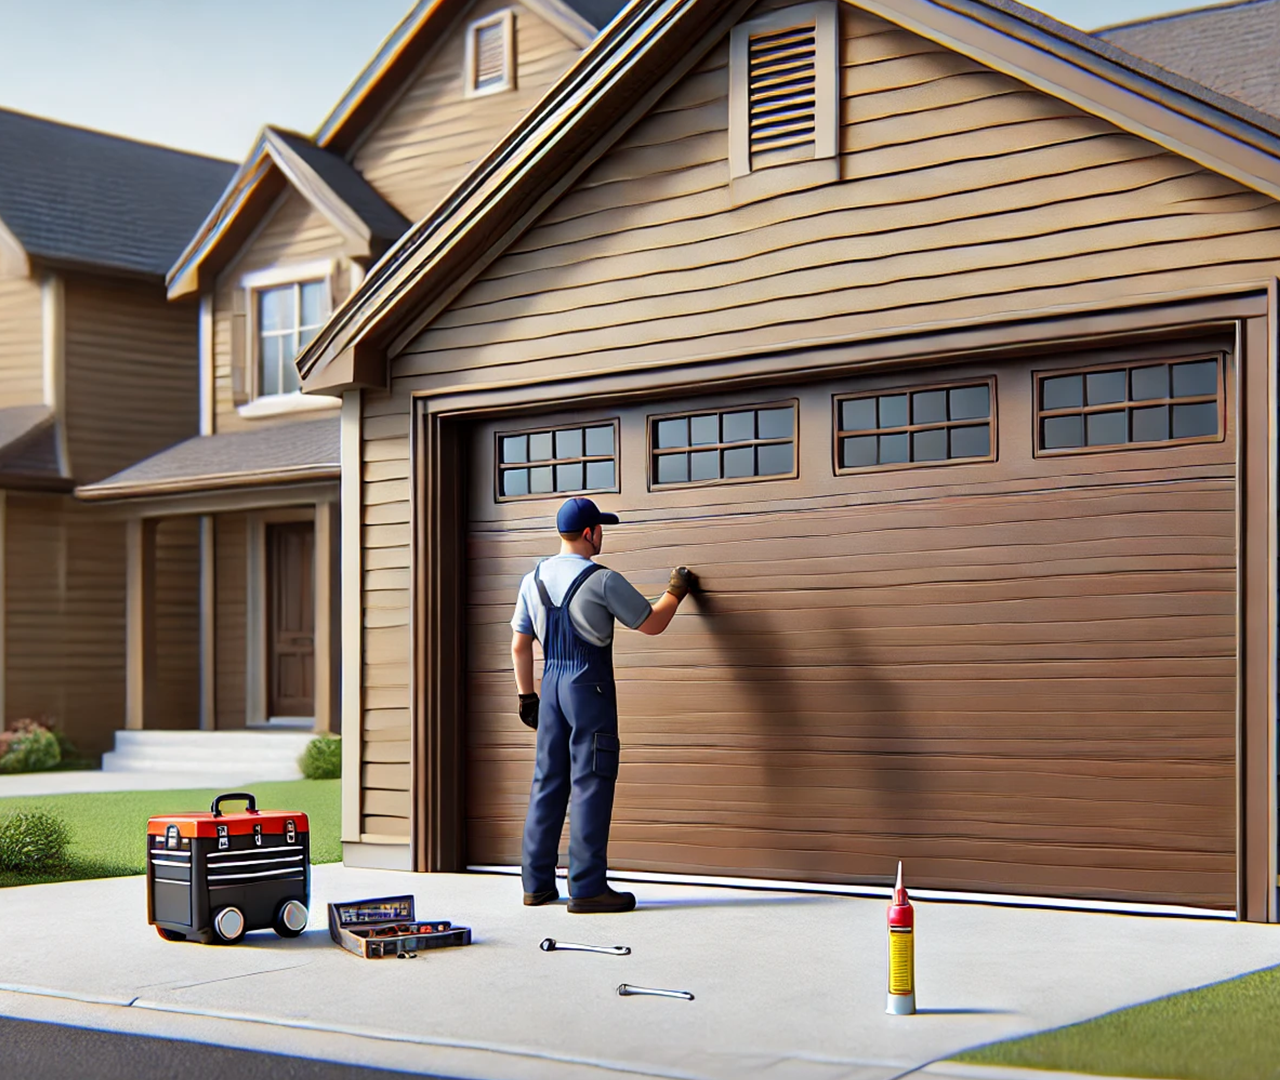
(491, 54)
(784, 85)
(286, 317)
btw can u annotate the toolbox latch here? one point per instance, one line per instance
(171, 837)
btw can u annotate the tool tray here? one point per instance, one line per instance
(375, 929)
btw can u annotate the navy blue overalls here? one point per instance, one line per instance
(577, 752)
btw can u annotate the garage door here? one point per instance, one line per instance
(981, 619)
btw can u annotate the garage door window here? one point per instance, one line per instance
(743, 443)
(557, 461)
(927, 425)
(1136, 405)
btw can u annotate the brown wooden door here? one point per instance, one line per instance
(291, 619)
(1017, 675)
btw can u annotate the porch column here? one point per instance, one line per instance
(208, 601)
(328, 616)
(140, 621)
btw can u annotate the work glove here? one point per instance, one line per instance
(683, 581)
(529, 710)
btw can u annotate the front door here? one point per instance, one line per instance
(291, 619)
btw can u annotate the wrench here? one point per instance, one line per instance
(551, 944)
(626, 990)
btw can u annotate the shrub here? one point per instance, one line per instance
(322, 759)
(30, 747)
(32, 840)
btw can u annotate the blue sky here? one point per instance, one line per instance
(204, 75)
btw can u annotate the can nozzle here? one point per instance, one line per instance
(900, 890)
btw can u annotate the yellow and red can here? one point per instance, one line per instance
(902, 952)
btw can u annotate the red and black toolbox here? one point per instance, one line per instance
(212, 877)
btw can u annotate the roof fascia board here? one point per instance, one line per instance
(565, 19)
(14, 262)
(1107, 90)
(640, 30)
(184, 277)
(209, 482)
(389, 52)
(319, 194)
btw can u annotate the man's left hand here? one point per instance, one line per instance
(529, 710)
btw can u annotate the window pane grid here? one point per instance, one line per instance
(914, 426)
(733, 444)
(289, 316)
(1140, 404)
(557, 461)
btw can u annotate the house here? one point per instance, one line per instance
(98, 371)
(293, 234)
(939, 338)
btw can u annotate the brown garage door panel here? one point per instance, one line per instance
(1025, 691)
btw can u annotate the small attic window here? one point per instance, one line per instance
(784, 89)
(491, 54)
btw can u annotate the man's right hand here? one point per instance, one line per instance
(529, 710)
(683, 581)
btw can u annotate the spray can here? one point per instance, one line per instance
(902, 952)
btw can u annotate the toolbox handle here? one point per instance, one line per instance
(234, 795)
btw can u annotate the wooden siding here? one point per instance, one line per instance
(230, 547)
(294, 232)
(177, 682)
(21, 343)
(995, 671)
(64, 617)
(430, 137)
(132, 374)
(966, 196)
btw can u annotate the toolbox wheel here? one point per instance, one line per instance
(171, 935)
(291, 918)
(229, 925)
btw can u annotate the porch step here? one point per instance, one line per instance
(259, 755)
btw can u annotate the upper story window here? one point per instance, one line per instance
(558, 461)
(927, 425)
(753, 443)
(784, 87)
(491, 54)
(286, 318)
(1130, 405)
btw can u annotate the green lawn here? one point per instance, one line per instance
(1229, 1029)
(109, 830)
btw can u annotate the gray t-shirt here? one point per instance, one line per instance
(604, 596)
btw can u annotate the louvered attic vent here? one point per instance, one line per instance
(491, 55)
(782, 88)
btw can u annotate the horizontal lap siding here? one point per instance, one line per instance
(64, 617)
(385, 509)
(230, 546)
(965, 195)
(177, 702)
(295, 232)
(132, 375)
(432, 135)
(1015, 687)
(21, 343)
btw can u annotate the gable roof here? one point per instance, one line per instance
(258, 181)
(74, 197)
(647, 49)
(1232, 48)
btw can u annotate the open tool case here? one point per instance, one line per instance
(387, 927)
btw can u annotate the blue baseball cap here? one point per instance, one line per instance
(578, 514)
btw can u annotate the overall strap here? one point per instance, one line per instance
(542, 589)
(578, 583)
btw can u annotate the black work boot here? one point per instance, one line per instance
(607, 902)
(537, 899)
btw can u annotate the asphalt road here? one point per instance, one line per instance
(32, 1050)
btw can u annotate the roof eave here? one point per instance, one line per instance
(106, 491)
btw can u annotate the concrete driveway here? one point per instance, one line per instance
(787, 985)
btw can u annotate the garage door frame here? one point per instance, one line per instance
(440, 421)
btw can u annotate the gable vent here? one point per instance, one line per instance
(491, 55)
(782, 88)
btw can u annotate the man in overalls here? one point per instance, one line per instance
(569, 603)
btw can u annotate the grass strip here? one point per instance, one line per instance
(1228, 1029)
(109, 829)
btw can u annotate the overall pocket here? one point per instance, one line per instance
(607, 749)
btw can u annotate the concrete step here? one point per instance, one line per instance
(266, 755)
